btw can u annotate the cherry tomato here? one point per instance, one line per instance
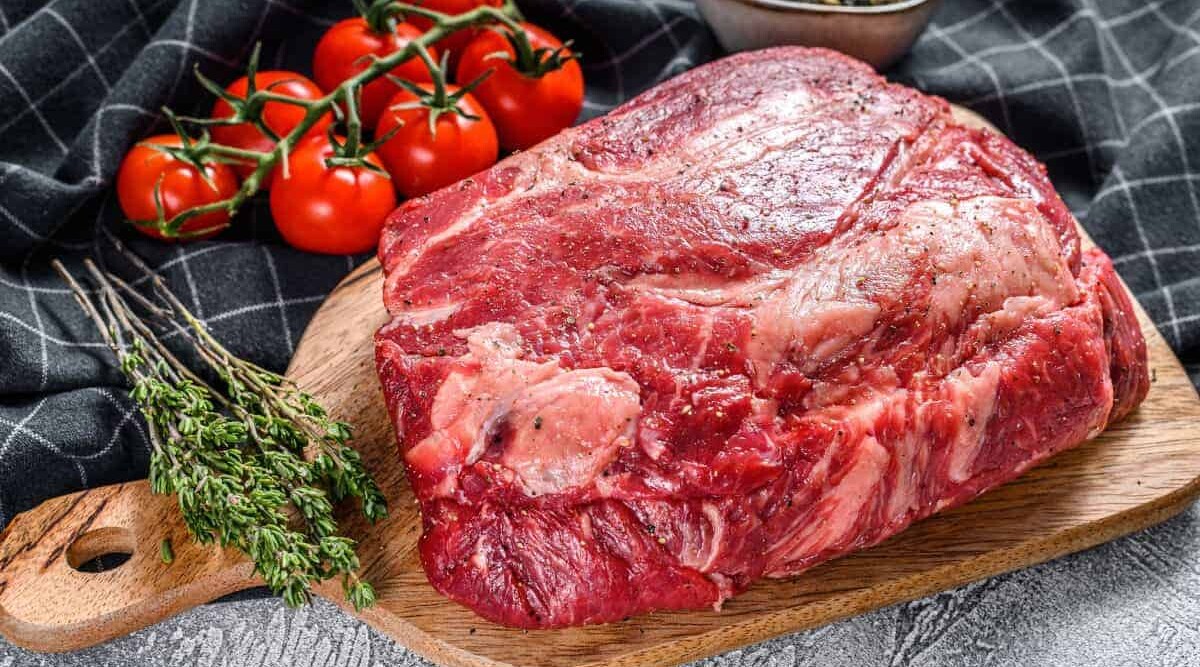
(332, 210)
(345, 50)
(525, 109)
(181, 187)
(457, 41)
(420, 162)
(279, 117)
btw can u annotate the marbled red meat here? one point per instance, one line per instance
(768, 313)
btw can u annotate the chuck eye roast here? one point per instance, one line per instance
(770, 312)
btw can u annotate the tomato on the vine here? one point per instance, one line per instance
(530, 97)
(330, 209)
(455, 42)
(280, 117)
(148, 174)
(346, 49)
(461, 143)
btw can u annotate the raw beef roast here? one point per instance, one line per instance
(768, 313)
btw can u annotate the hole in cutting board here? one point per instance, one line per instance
(101, 550)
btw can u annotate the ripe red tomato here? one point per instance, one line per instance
(345, 50)
(457, 41)
(525, 109)
(279, 117)
(181, 187)
(420, 162)
(332, 210)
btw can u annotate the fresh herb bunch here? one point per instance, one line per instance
(236, 458)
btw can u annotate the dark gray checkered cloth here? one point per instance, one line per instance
(1106, 93)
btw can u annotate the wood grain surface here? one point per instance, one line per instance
(1137, 473)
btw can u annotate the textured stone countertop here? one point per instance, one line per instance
(1135, 601)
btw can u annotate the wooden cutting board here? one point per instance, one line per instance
(1137, 473)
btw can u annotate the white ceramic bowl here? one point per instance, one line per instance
(877, 34)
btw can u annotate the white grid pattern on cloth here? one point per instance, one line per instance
(1122, 79)
(1169, 112)
(88, 56)
(66, 81)
(33, 106)
(1137, 222)
(270, 298)
(1039, 44)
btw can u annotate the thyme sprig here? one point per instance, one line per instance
(235, 457)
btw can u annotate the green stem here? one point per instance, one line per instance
(437, 74)
(444, 25)
(140, 326)
(230, 151)
(86, 303)
(353, 125)
(377, 15)
(207, 344)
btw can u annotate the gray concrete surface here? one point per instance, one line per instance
(1135, 601)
